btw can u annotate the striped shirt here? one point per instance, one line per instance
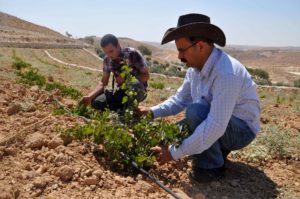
(225, 85)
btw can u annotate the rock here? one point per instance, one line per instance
(93, 180)
(66, 139)
(119, 180)
(40, 183)
(69, 103)
(43, 169)
(98, 173)
(55, 142)
(13, 109)
(34, 88)
(234, 183)
(11, 151)
(1, 155)
(50, 78)
(65, 173)
(61, 159)
(88, 172)
(36, 140)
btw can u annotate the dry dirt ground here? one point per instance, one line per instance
(35, 162)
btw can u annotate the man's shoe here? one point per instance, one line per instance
(201, 175)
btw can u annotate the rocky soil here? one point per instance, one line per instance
(36, 162)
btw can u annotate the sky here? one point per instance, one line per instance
(244, 22)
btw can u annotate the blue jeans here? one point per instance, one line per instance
(236, 136)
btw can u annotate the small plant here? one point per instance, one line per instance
(280, 99)
(145, 50)
(31, 77)
(58, 111)
(158, 85)
(272, 143)
(297, 83)
(127, 133)
(19, 63)
(65, 90)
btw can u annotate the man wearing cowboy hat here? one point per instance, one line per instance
(222, 107)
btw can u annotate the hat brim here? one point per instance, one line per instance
(205, 30)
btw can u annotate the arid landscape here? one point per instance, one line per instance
(37, 162)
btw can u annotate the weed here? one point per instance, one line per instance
(32, 77)
(280, 99)
(158, 85)
(58, 111)
(65, 90)
(19, 64)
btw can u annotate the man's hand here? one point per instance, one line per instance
(142, 110)
(86, 100)
(163, 154)
(120, 80)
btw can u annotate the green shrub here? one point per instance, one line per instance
(145, 50)
(65, 90)
(158, 85)
(19, 63)
(100, 53)
(174, 72)
(32, 78)
(127, 133)
(297, 83)
(157, 69)
(272, 143)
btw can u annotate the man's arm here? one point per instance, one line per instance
(225, 93)
(144, 74)
(86, 100)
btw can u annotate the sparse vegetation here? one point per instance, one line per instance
(297, 83)
(260, 76)
(145, 50)
(31, 76)
(100, 53)
(157, 85)
(126, 133)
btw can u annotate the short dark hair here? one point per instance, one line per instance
(109, 39)
(204, 39)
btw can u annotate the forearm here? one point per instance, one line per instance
(99, 89)
(144, 77)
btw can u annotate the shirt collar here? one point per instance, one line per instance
(209, 64)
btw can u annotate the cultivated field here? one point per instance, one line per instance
(35, 162)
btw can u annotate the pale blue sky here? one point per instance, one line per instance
(245, 22)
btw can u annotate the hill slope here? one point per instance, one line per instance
(15, 32)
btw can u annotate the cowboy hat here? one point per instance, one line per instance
(195, 25)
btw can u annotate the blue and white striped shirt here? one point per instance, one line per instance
(225, 85)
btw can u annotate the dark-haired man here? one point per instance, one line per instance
(222, 107)
(100, 98)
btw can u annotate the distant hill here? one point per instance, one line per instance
(282, 63)
(15, 32)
